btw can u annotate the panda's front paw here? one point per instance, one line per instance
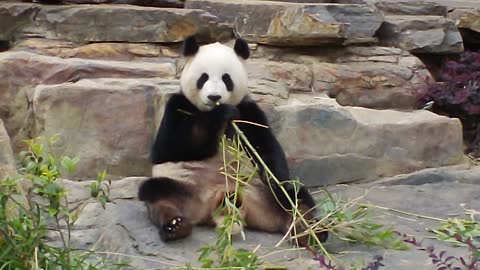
(226, 111)
(176, 228)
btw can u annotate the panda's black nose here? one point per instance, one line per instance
(214, 98)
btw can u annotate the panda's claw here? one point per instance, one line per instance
(175, 228)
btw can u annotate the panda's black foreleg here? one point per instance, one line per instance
(271, 152)
(187, 134)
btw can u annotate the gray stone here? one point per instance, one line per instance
(143, 52)
(394, 7)
(23, 71)
(149, 3)
(291, 24)
(107, 23)
(437, 200)
(459, 173)
(328, 144)
(107, 123)
(421, 34)
(7, 159)
(124, 231)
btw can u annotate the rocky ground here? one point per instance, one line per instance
(123, 228)
(338, 80)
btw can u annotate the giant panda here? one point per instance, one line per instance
(187, 184)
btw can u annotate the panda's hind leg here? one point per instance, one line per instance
(165, 199)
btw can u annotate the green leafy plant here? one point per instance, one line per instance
(34, 205)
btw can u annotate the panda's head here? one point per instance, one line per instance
(214, 73)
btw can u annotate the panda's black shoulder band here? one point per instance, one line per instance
(190, 46)
(241, 48)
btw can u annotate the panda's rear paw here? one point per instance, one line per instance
(176, 228)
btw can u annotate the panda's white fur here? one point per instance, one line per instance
(211, 59)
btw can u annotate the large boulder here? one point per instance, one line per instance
(7, 159)
(327, 144)
(106, 23)
(107, 123)
(22, 71)
(373, 77)
(281, 23)
(421, 34)
(144, 52)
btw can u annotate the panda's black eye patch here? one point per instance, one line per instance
(202, 80)
(227, 80)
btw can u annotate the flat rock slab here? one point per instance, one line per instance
(374, 77)
(149, 3)
(107, 123)
(421, 34)
(281, 23)
(22, 71)
(123, 228)
(106, 23)
(327, 143)
(394, 7)
(141, 52)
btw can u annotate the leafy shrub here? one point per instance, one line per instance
(458, 95)
(34, 205)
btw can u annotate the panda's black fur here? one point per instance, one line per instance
(188, 134)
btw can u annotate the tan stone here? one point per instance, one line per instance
(22, 71)
(98, 51)
(467, 18)
(296, 77)
(107, 123)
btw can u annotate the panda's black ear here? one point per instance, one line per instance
(241, 48)
(190, 46)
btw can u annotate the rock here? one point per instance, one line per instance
(14, 17)
(456, 174)
(296, 77)
(150, 3)
(425, 200)
(126, 23)
(458, 3)
(123, 227)
(23, 71)
(393, 7)
(421, 34)
(7, 159)
(468, 20)
(327, 144)
(291, 24)
(373, 77)
(99, 51)
(107, 123)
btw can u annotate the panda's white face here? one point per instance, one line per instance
(214, 75)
